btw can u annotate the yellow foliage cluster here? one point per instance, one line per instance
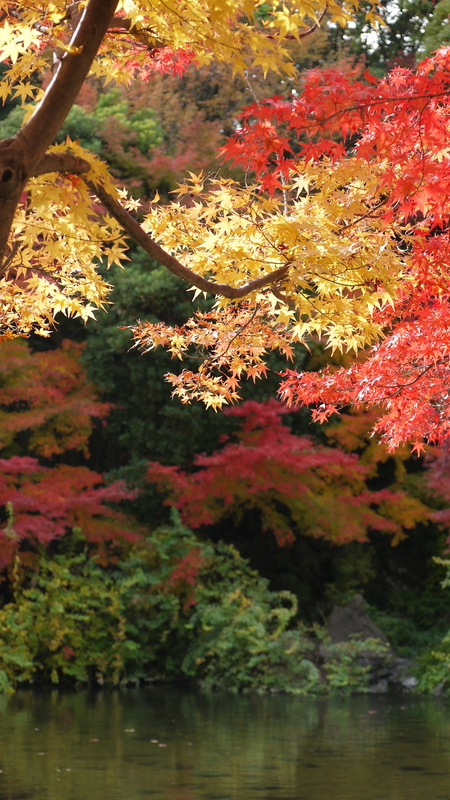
(224, 30)
(233, 341)
(57, 241)
(341, 264)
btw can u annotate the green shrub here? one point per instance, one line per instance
(175, 607)
(198, 610)
(241, 639)
(346, 664)
(67, 623)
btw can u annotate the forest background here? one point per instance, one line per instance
(145, 539)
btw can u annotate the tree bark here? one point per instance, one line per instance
(60, 162)
(20, 155)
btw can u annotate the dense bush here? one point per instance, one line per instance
(175, 607)
(66, 622)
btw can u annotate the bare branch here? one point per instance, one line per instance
(9, 258)
(154, 250)
(60, 162)
(36, 25)
(315, 26)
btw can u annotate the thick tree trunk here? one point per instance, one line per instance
(20, 155)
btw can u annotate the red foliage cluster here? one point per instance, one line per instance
(163, 60)
(46, 503)
(401, 122)
(46, 399)
(408, 373)
(183, 577)
(48, 395)
(322, 490)
(438, 480)
(402, 118)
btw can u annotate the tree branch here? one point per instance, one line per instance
(121, 22)
(36, 25)
(315, 26)
(291, 37)
(42, 127)
(154, 250)
(10, 257)
(60, 162)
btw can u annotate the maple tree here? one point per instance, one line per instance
(341, 233)
(188, 117)
(47, 409)
(359, 213)
(46, 397)
(294, 484)
(44, 504)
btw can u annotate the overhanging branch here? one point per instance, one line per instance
(60, 162)
(315, 26)
(132, 227)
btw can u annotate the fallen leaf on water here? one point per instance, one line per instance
(93, 740)
(372, 712)
(41, 754)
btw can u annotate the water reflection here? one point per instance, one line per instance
(169, 744)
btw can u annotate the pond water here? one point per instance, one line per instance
(170, 744)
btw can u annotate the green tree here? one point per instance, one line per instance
(437, 30)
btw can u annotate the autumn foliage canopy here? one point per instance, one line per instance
(292, 482)
(341, 231)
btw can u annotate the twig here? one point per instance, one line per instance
(9, 258)
(238, 333)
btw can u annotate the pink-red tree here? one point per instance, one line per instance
(296, 485)
(47, 407)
